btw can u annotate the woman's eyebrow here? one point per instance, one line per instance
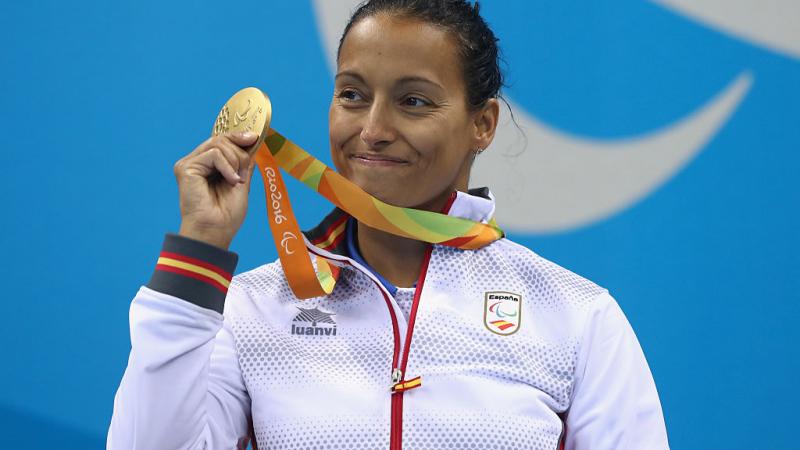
(419, 79)
(348, 73)
(403, 80)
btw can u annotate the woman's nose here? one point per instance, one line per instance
(378, 131)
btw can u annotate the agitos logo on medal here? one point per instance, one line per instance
(502, 312)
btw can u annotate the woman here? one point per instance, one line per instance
(512, 351)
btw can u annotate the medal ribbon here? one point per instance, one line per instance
(306, 281)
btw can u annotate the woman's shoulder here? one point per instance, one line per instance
(254, 285)
(264, 278)
(546, 278)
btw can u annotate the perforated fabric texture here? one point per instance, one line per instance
(478, 431)
(405, 298)
(325, 389)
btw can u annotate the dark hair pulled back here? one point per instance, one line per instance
(477, 44)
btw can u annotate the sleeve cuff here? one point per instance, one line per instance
(194, 271)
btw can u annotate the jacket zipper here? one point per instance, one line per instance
(398, 364)
(398, 372)
(396, 425)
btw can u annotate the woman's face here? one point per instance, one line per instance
(400, 127)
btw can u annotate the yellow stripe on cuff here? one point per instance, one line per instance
(196, 269)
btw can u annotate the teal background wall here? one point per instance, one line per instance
(99, 99)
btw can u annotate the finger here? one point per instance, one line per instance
(234, 151)
(203, 147)
(243, 139)
(214, 159)
(229, 151)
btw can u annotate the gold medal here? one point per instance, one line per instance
(248, 110)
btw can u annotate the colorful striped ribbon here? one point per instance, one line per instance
(303, 278)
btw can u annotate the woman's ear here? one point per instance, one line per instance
(485, 121)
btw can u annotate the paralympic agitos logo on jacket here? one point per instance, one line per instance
(313, 322)
(502, 312)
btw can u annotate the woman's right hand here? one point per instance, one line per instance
(213, 183)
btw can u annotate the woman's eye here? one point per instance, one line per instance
(350, 95)
(415, 101)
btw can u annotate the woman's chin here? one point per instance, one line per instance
(391, 197)
(396, 195)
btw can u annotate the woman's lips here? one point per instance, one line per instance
(377, 160)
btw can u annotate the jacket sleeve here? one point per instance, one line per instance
(183, 387)
(615, 404)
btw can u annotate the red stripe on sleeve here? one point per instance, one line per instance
(194, 275)
(198, 262)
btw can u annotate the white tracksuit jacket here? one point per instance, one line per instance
(513, 351)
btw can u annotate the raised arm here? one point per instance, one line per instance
(182, 388)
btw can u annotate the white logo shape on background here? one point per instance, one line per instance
(560, 182)
(774, 24)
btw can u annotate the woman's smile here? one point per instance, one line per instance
(378, 160)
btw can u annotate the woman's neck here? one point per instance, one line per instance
(398, 259)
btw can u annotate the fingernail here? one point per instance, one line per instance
(248, 135)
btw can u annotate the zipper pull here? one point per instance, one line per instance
(397, 375)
